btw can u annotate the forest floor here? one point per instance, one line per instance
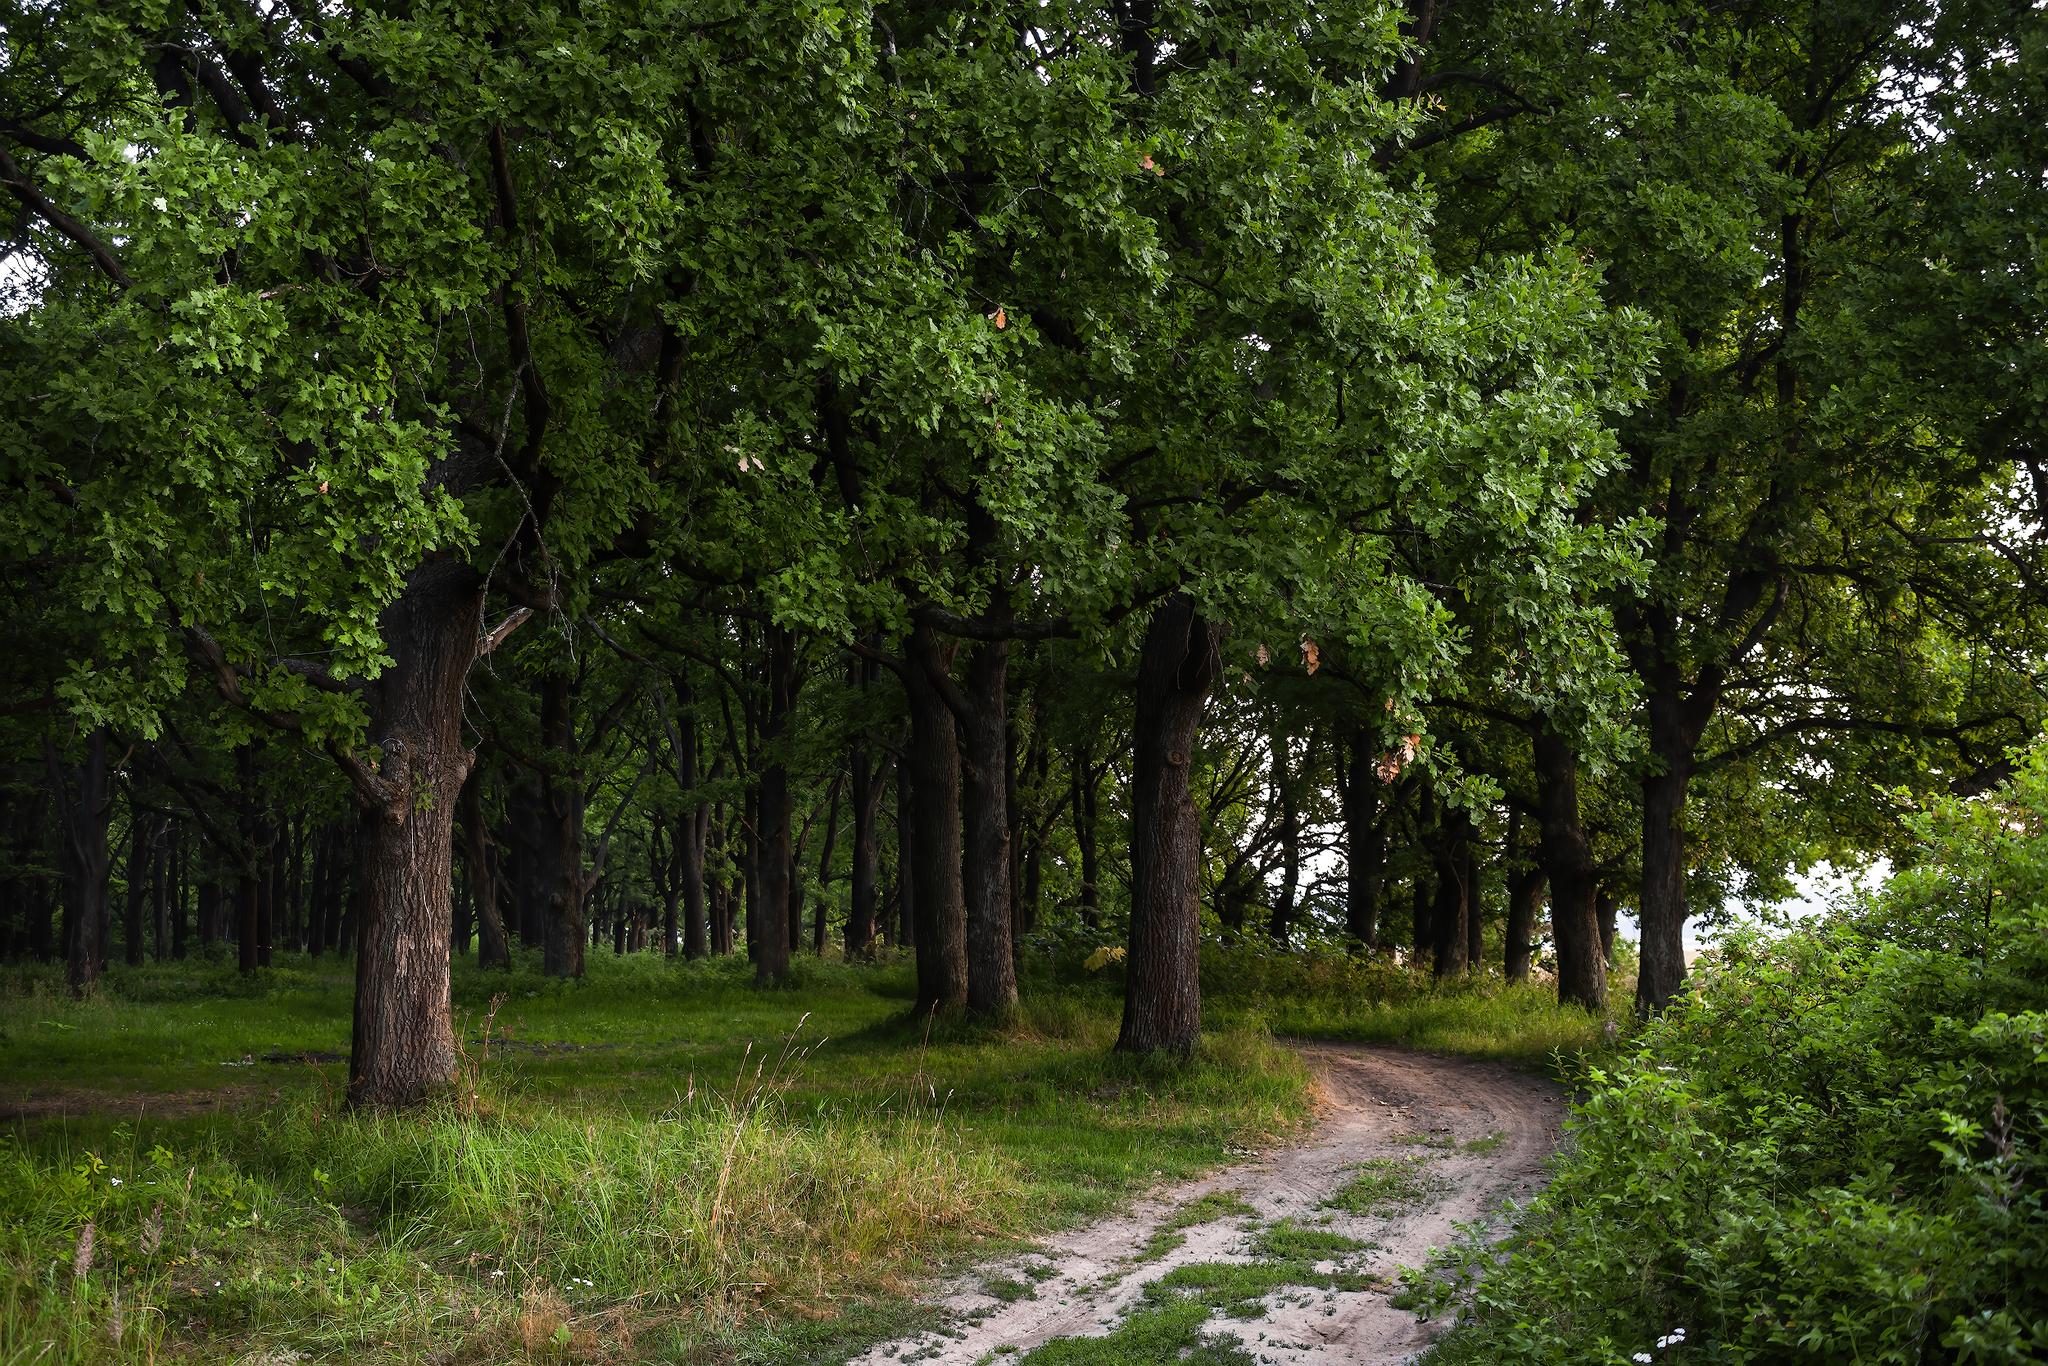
(1289, 1256)
(859, 1189)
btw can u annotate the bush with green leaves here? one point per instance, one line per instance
(1829, 1152)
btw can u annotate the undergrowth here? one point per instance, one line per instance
(1831, 1151)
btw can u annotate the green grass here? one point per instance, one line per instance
(1289, 1241)
(1169, 1327)
(713, 1170)
(1385, 1185)
(1332, 995)
(662, 1162)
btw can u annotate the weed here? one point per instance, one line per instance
(1484, 1147)
(1288, 1241)
(1386, 1184)
(1007, 1290)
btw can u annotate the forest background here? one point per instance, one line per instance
(1022, 493)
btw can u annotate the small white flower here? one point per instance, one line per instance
(115, 1179)
(1677, 1336)
(1643, 1357)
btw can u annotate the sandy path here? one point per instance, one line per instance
(1375, 1099)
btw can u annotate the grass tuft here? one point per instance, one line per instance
(1385, 1185)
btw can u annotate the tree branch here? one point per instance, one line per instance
(18, 183)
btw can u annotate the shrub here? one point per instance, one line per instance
(1829, 1152)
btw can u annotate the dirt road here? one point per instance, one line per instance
(1409, 1145)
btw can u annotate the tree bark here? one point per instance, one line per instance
(403, 1044)
(1450, 920)
(991, 954)
(777, 807)
(934, 764)
(85, 807)
(1525, 890)
(1365, 841)
(1568, 863)
(1162, 970)
(1662, 912)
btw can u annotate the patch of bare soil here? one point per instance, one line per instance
(1477, 1133)
(73, 1102)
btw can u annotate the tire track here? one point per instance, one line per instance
(1488, 1130)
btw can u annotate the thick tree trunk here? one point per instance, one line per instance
(403, 1044)
(85, 807)
(934, 771)
(985, 805)
(1568, 863)
(1662, 911)
(772, 917)
(1450, 920)
(1365, 843)
(906, 854)
(1162, 971)
(1525, 890)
